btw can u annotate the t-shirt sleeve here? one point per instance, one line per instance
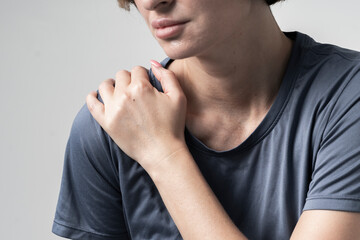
(89, 204)
(335, 183)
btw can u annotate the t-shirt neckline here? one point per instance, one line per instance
(276, 110)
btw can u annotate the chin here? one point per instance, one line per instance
(186, 48)
(179, 50)
(177, 55)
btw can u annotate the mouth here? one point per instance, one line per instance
(167, 28)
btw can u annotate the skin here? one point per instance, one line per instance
(230, 59)
(215, 66)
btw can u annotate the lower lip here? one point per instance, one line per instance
(170, 31)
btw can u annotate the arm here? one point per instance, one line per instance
(180, 177)
(183, 189)
(90, 203)
(200, 208)
(330, 225)
(188, 198)
(335, 183)
(193, 206)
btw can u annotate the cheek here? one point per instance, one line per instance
(204, 31)
(143, 12)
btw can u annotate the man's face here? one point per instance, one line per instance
(186, 28)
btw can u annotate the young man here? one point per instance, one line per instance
(249, 132)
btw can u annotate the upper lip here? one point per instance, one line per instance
(165, 22)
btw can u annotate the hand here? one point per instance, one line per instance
(146, 124)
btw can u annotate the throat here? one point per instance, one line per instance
(221, 133)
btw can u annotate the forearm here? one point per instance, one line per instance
(190, 201)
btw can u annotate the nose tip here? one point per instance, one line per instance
(154, 4)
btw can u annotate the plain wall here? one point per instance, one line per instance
(52, 53)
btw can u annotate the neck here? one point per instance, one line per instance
(241, 74)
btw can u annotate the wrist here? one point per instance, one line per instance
(169, 162)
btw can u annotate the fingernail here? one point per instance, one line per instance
(155, 64)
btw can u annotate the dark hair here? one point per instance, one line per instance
(126, 3)
(271, 2)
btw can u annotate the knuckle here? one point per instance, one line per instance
(137, 68)
(92, 107)
(169, 73)
(91, 104)
(103, 85)
(140, 89)
(124, 98)
(121, 73)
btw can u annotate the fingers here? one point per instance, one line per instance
(106, 89)
(123, 79)
(95, 107)
(169, 83)
(140, 77)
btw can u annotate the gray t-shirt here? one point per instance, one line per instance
(304, 155)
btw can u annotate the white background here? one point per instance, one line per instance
(52, 53)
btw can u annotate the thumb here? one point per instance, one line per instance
(168, 81)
